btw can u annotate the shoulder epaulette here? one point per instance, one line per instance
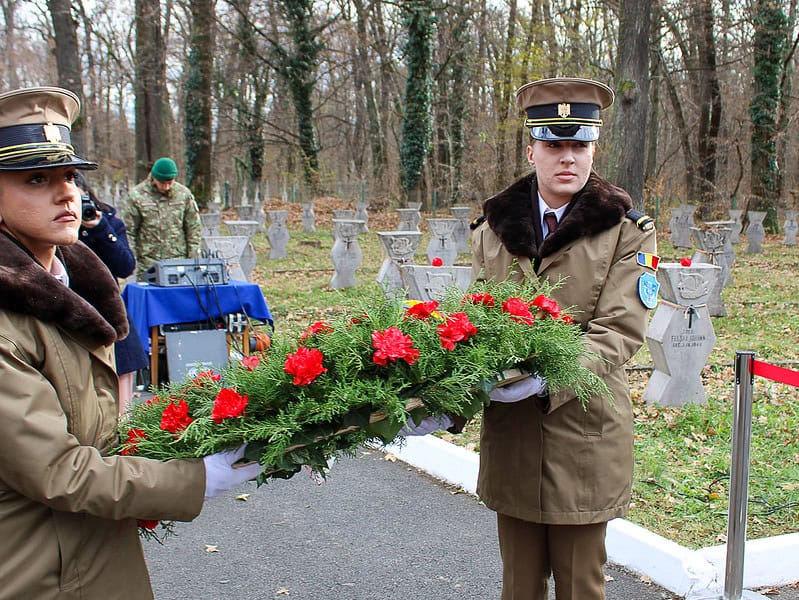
(477, 222)
(644, 222)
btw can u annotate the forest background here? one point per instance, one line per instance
(390, 101)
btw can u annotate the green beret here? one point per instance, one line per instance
(164, 169)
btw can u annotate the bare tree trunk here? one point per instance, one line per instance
(9, 53)
(152, 139)
(628, 134)
(375, 131)
(68, 61)
(502, 100)
(709, 113)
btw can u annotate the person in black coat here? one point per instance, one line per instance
(105, 234)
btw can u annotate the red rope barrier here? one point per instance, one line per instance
(775, 373)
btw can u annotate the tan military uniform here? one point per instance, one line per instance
(162, 226)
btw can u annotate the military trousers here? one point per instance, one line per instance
(574, 555)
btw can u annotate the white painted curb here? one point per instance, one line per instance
(694, 574)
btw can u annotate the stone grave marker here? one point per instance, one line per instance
(462, 231)
(248, 229)
(211, 222)
(344, 214)
(308, 218)
(409, 219)
(442, 242)
(714, 246)
(231, 249)
(400, 248)
(682, 220)
(427, 283)
(737, 215)
(790, 228)
(680, 335)
(346, 252)
(278, 233)
(755, 233)
(362, 214)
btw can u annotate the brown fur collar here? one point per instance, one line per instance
(511, 215)
(90, 307)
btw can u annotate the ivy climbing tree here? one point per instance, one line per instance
(770, 46)
(197, 128)
(417, 126)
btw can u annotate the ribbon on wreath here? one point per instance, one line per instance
(689, 312)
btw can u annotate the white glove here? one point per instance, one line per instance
(519, 390)
(428, 425)
(221, 475)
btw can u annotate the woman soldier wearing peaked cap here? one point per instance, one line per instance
(554, 472)
(68, 509)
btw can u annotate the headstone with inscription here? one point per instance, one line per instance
(278, 233)
(736, 215)
(790, 228)
(714, 246)
(400, 248)
(680, 335)
(430, 283)
(308, 218)
(346, 252)
(409, 219)
(211, 222)
(462, 214)
(755, 233)
(442, 241)
(230, 248)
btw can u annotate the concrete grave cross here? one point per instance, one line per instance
(680, 335)
(400, 248)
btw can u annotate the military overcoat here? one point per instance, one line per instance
(548, 460)
(68, 507)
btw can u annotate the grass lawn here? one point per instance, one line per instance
(681, 482)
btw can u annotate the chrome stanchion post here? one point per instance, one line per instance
(739, 475)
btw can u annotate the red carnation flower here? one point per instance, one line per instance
(566, 318)
(392, 345)
(437, 262)
(250, 362)
(175, 417)
(227, 404)
(458, 328)
(200, 378)
(422, 310)
(518, 309)
(134, 435)
(147, 523)
(314, 328)
(480, 298)
(685, 261)
(305, 364)
(547, 305)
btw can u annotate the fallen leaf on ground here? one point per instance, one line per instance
(390, 457)
(243, 497)
(211, 548)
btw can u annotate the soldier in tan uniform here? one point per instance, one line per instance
(554, 472)
(162, 217)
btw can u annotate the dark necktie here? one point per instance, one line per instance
(552, 222)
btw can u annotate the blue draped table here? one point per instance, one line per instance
(150, 306)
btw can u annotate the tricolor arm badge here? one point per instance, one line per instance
(645, 259)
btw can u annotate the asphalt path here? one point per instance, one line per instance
(375, 530)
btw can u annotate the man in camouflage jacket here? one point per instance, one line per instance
(162, 217)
